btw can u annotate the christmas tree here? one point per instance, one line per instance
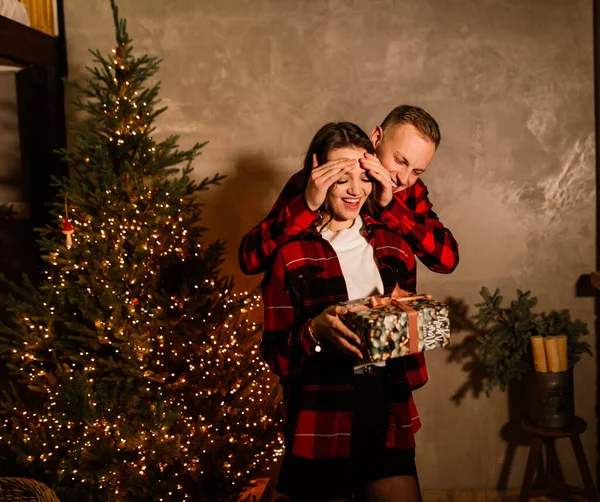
(135, 373)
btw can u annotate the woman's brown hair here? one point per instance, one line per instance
(330, 137)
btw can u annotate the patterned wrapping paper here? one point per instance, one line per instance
(385, 330)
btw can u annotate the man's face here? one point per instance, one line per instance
(404, 152)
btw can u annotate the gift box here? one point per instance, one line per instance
(398, 325)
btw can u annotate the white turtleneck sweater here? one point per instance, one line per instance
(357, 260)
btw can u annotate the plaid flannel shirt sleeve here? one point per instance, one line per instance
(411, 216)
(286, 341)
(289, 216)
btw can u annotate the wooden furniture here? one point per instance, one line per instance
(40, 101)
(25, 490)
(40, 64)
(553, 487)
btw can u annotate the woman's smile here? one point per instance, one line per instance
(352, 202)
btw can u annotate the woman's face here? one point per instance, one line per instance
(348, 195)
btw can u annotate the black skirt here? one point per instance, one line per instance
(321, 480)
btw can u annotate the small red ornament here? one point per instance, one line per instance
(67, 228)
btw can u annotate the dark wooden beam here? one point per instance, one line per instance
(62, 39)
(26, 46)
(595, 276)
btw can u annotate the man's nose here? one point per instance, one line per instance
(404, 176)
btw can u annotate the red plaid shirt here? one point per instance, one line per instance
(410, 215)
(304, 279)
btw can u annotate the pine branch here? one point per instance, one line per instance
(504, 342)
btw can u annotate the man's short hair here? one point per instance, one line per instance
(416, 117)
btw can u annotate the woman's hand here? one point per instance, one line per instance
(322, 177)
(328, 326)
(384, 190)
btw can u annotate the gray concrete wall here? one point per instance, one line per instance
(511, 84)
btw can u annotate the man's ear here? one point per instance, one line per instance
(377, 136)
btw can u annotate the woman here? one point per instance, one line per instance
(346, 431)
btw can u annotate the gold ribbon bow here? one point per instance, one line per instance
(399, 297)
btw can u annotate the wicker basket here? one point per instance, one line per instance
(25, 490)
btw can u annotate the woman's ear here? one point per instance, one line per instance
(377, 136)
(315, 161)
